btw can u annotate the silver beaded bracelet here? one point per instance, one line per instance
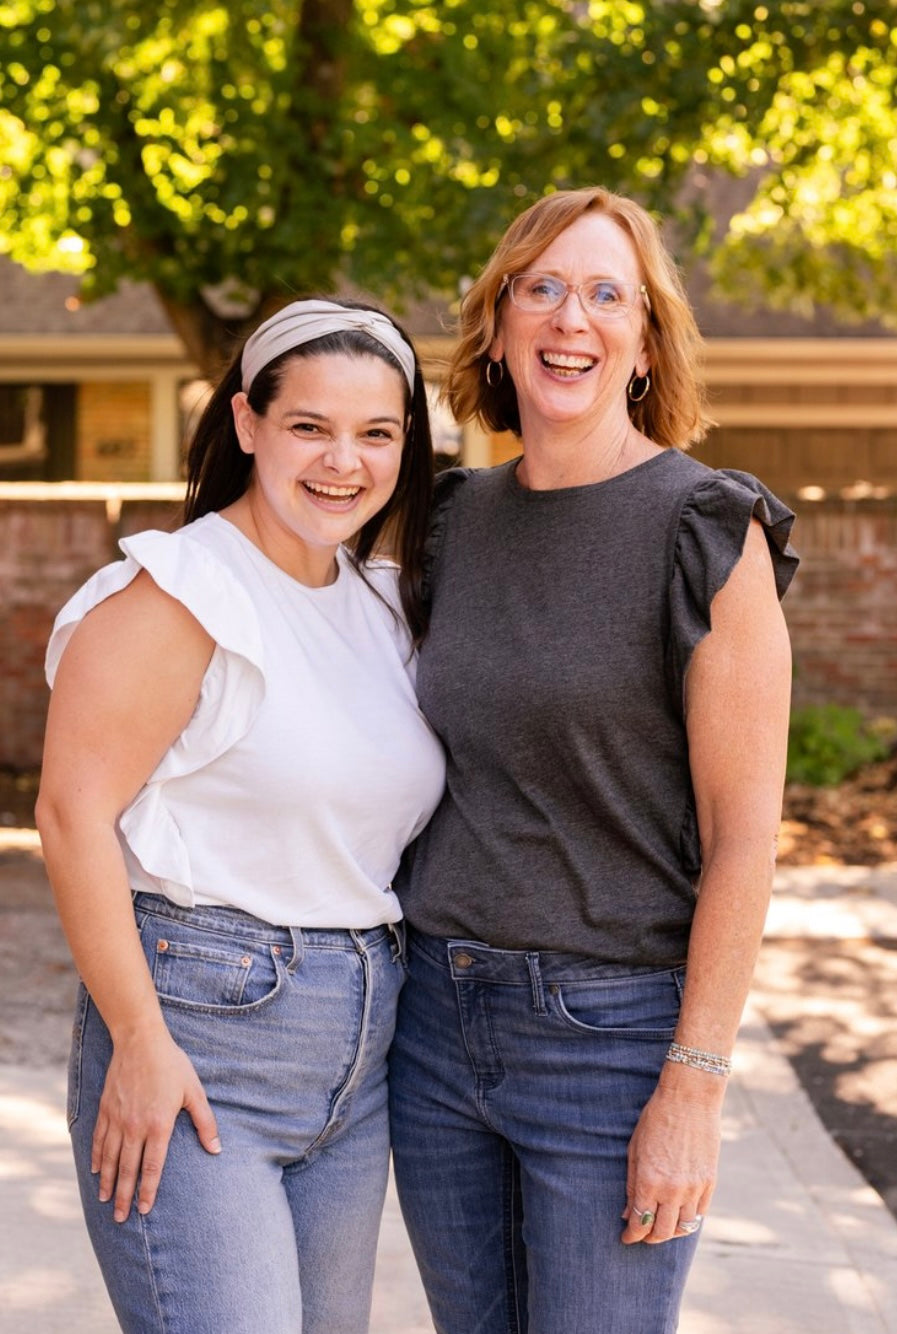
(699, 1060)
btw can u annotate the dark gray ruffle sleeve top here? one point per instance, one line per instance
(562, 626)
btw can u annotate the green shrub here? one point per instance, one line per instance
(828, 742)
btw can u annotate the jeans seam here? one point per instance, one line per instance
(76, 1057)
(344, 1093)
(512, 1205)
(151, 1272)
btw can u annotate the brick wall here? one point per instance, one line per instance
(48, 547)
(841, 610)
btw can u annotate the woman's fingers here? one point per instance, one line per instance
(143, 1095)
(155, 1151)
(104, 1157)
(667, 1222)
(661, 1222)
(672, 1169)
(156, 1147)
(197, 1104)
(130, 1160)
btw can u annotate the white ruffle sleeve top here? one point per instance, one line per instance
(307, 765)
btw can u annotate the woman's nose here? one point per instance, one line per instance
(570, 314)
(341, 454)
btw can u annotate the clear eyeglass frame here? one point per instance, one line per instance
(617, 299)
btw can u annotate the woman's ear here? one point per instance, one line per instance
(643, 360)
(497, 346)
(244, 422)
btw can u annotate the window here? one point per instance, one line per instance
(23, 432)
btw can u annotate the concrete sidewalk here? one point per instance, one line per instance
(796, 1241)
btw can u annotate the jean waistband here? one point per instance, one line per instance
(475, 961)
(235, 922)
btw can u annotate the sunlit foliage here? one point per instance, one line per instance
(249, 150)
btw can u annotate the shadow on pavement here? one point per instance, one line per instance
(832, 1004)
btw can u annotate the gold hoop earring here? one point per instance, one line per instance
(491, 368)
(637, 397)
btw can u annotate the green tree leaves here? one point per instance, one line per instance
(236, 154)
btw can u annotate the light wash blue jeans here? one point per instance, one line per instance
(516, 1080)
(288, 1030)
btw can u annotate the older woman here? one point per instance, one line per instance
(608, 667)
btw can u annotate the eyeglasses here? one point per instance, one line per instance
(600, 298)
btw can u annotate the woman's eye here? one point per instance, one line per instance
(605, 294)
(305, 428)
(545, 290)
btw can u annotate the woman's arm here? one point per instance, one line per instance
(126, 687)
(737, 696)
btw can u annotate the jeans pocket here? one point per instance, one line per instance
(76, 1051)
(639, 1005)
(198, 969)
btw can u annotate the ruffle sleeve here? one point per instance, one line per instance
(713, 526)
(445, 492)
(230, 695)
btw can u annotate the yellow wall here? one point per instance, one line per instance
(113, 432)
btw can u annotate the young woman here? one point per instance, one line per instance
(234, 762)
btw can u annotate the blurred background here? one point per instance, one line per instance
(169, 174)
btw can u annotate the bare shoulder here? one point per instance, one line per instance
(128, 682)
(137, 623)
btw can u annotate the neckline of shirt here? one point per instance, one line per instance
(343, 564)
(554, 495)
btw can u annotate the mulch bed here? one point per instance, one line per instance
(853, 824)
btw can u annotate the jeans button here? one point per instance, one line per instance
(463, 960)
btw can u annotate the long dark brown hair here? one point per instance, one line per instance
(219, 472)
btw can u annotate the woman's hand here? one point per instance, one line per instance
(149, 1081)
(737, 694)
(126, 687)
(673, 1158)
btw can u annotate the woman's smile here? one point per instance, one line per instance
(567, 365)
(332, 497)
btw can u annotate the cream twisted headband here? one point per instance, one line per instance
(303, 321)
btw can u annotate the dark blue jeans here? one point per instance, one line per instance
(516, 1080)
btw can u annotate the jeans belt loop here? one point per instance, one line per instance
(398, 943)
(535, 975)
(298, 940)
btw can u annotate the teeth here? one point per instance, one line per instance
(568, 361)
(335, 492)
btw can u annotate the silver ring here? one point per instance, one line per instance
(690, 1225)
(645, 1217)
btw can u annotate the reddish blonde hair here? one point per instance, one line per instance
(674, 410)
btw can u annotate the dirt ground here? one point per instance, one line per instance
(853, 824)
(832, 1004)
(17, 796)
